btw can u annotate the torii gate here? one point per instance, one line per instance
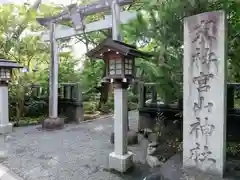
(76, 14)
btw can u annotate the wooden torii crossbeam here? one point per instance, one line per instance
(63, 32)
(70, 12)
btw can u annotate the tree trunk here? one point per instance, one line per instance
(104, 91)
(104, 86)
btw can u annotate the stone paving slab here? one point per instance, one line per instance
(77, 152)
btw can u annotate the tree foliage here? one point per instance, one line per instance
(159, 29)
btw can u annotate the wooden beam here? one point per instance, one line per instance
(63, 32)
(85, 10)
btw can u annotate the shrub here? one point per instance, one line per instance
(90, 107)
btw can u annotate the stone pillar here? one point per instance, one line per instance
(66, 98)
(204, 116)
(141, 99)
(53, 79)
(64, 91)
(121, 159)
(5, 125)
(78, 92)
(67, 92)
(154, 94)
(142, 120)
(79, 115)
(116, 22)
(53, 121)
(72, 92)
(117, 35)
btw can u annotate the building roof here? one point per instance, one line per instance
(118, 46)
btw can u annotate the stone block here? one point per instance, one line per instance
(6, 128)
(73, 110)
(120, 163)
(145, 121)
(53, 123)
(153, 144)
(153, 161)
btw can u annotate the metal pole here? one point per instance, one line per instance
(53, 74)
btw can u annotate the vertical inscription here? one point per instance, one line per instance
(202, 56)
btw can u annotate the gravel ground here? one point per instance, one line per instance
(77, 152)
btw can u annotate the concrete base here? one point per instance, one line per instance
(53, 123)
(120, 163)
(131, 135)
(7, 128)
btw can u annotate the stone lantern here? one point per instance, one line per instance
(119, 59)
(6, 68)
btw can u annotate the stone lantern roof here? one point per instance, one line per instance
(117, 46)
(9, 64)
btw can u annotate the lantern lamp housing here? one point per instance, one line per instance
(119, 58)
(6, 67)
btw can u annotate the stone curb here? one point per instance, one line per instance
(102, 117)
(6, 174)
(99, 118)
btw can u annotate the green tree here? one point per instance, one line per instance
(30, 52)
(159, 28)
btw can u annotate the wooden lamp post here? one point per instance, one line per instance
(119, 59)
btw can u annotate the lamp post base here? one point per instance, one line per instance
(6, 128)
(53, 123)
(131, 135)
(121, 163)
